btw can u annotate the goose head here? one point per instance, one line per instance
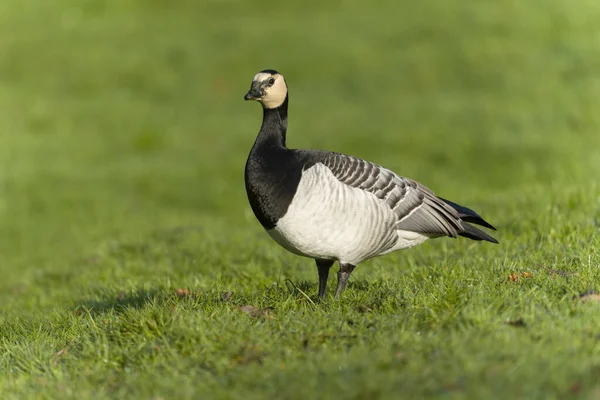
(268, 88)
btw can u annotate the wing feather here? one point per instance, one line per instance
(417, 208)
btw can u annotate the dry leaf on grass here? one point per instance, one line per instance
(227, 296)
(183, 292)
(517, 323)
(590, 296)
(515, 276)
(256, 312)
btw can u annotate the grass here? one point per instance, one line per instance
(123, 136)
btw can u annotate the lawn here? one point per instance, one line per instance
(131, 264)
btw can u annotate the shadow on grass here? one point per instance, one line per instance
(123, 302)
(120, 303)
(311, 286)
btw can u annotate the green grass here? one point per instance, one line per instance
(123, 136)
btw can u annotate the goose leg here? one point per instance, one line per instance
(343, 275)
(323, 266)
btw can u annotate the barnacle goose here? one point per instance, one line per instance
(335, 207)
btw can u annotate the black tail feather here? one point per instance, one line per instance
(468, 215)
(475, 233)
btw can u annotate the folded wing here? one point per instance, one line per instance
(417, 208)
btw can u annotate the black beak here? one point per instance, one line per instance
(253, 94)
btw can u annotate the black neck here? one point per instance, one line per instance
(274, 126)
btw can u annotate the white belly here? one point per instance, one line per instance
(330, 220)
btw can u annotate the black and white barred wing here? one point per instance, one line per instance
(416, 207)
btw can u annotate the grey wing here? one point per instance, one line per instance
(417, 208)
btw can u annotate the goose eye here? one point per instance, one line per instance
(271, 81)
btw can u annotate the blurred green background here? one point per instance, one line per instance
(123, 137)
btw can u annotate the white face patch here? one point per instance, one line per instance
(275, 94)
(261, 76)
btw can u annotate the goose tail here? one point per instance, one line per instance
(475, 233)
(469, 217)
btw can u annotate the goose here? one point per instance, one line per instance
(335, 207)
